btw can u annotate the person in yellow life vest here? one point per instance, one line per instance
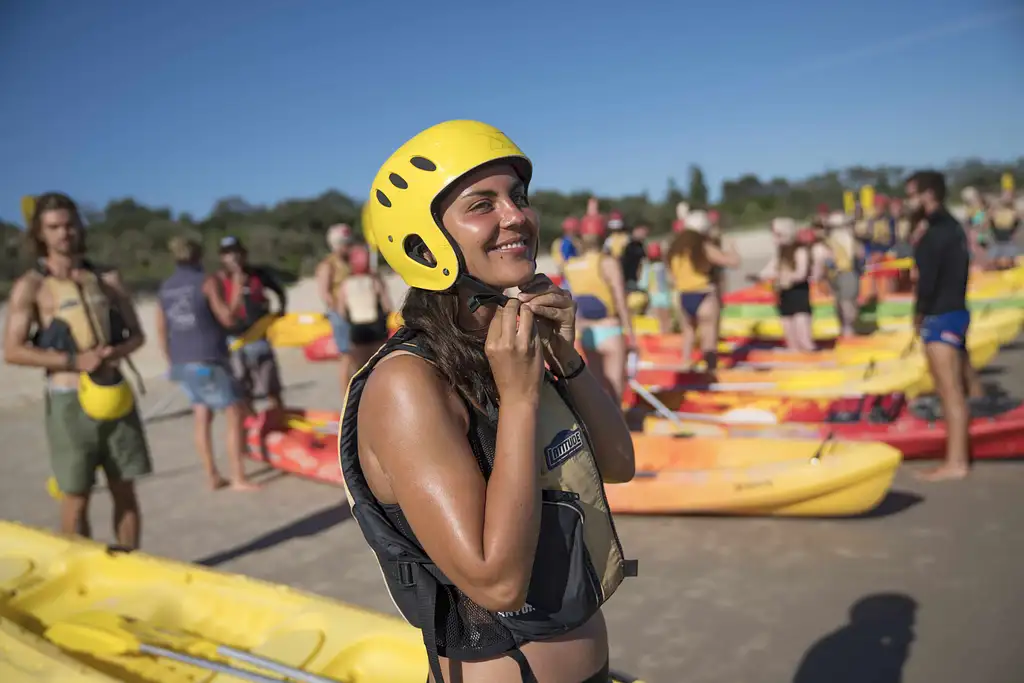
(1003, 223)
(77, 321)
(692, 257)
(654, 281)
(362, 298)
(565, 246)
(844, 273)
(475, 474)
(618, 236)
(602, 315)
(330, 273)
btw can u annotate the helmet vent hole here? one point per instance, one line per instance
(423, 164)
(398, 181)
(383, 199)
(417, 250)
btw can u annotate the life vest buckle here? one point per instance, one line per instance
(406, 574)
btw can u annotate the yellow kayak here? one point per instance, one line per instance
(739, 476)
(110, 609)
(298, 329)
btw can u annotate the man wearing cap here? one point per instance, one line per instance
(245, 287)
(330, 273)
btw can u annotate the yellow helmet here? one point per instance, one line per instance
(403, 198)
(102, 402)
(368, 235)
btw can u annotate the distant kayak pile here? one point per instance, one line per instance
(770, 432)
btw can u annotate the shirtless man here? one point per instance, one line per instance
(330, 273)
(77, 321)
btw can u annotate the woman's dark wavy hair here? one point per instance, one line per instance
(458, 353)
(53, 201)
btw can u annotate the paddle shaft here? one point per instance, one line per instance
(207, 664)
(271, 665)
(658, 406)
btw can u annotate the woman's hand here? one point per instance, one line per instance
(556, 313)
(513, 350)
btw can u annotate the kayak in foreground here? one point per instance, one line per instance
(914, 428)
(138, 618)
(691, 474)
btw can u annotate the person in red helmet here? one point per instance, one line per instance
(654, 280)
(602, 316)
(362, 299)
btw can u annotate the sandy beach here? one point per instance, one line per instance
(718, 600)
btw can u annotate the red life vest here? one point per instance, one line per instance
(254, 303)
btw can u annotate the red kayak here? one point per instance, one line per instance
(916, 429)
(302, 442)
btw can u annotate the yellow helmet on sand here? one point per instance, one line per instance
(368, 235)
(105, 403)
(405, 193)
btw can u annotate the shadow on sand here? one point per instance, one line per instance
(310, 525)
(871, 648)
(894, 503)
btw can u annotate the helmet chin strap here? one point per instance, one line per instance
(480, 294)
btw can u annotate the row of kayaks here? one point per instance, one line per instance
(76, 611)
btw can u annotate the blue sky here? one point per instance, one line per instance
(181, 103)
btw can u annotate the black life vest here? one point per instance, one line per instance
(579, 561)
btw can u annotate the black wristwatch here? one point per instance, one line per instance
(577, 372)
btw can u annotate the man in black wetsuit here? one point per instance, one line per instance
(941, 318)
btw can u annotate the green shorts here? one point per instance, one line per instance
(79, 444)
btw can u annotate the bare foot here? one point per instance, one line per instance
(244, 485)
(216, 482)
(943, 473)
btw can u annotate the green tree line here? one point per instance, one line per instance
(289, 236)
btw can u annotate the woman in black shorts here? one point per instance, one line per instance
(790, 268)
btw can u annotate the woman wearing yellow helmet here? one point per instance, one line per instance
(467, 465)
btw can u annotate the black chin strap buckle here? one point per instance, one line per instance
(481, 294)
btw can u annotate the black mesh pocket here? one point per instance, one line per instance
(565, 590)
(465, 630)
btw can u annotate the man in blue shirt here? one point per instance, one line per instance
(941, 318)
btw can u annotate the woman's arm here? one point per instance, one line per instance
(481, 534)
(609, 433)
(161, 333)
(770, 270)
(726, 258)
(220, 309)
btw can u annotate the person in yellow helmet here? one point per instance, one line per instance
(474, 473)
(77, 321)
